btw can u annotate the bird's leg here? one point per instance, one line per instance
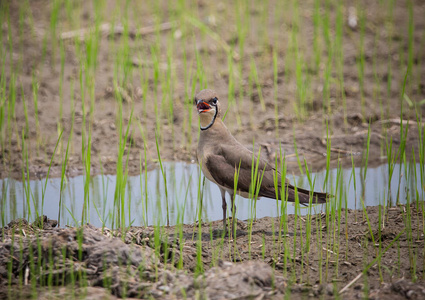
(224, 206)
(232, 197)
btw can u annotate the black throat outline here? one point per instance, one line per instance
(212, 121)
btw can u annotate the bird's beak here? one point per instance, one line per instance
(202, 106)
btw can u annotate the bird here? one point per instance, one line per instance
(221, 156)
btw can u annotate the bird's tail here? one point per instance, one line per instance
(289, 194)
(305, 195)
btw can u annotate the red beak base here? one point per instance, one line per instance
(203, 107)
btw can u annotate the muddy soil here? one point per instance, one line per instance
(347, 136)
(104, 264)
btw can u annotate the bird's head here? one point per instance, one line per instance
(208, 107)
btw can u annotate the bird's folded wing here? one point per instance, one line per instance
(238, 160)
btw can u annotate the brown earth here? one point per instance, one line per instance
(107, 264)
(178, 142)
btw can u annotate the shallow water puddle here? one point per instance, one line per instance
(185, 186)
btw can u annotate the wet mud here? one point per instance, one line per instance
(197, 261)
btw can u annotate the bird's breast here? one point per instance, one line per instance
(202, 160)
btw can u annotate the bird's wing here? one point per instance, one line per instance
(227, 161)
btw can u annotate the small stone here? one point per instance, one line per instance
(411, 294)
(330, 289)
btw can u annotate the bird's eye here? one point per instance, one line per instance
(214, 100)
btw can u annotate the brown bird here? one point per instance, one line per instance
(221, 156)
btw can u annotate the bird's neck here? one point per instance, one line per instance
(207, 120)
(217, 132)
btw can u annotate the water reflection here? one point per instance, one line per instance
(145, 200)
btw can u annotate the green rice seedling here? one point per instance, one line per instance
(4, 188)
(339, 55)
(341, 195)
(410, 175)
(232, 87)
(283, 226)
(326, 31)
(249, 96)
(189, 107)
(33, 271)
(96, 198)
(145, 183)
(54, 21)
(363, 180)
(275, 94)
(200, 70)
(4, 12)
(217, 250)
(296, 154)
(256, 179)
(3, 100)
(164, 176)
(403, 136)
(10, 267)
(329, 215)
(105, 216)
(361, 57)
(231, 80)
(179, 228)
(421, 157)
(233, 206)
(61, 82)
(128, 202)
(170, 81)
(50, 266)
(294, 239)
(43, 190)
(308, 217)
(63, 178)
(290, 55)
(9, 36)
(24, 104)
(201, 183)
(86, 152)
(327, 84)
(11, 117)
(410, 43)
(242, 28)
(316, 37)
(300, 106)
(391, 159)
(23, 12)
(329, 224)
(156, 78)
(264, 17)
(26, 179)
(121, 179)
(256, 79)
(390, 29)
(74, 219)
(186, 102)
(144, 83)
(274, 247)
